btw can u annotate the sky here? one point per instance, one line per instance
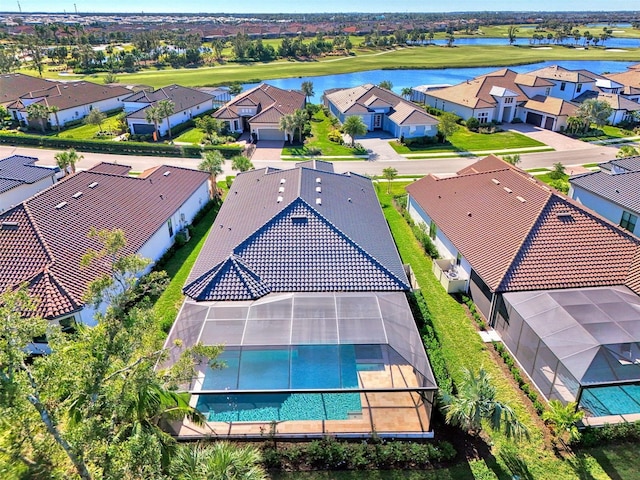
(308, 6)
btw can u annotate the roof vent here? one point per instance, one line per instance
(508, 190)
(9, 225)
(349, 199)
(279, 198)
(318, 201)
(521, 199)
(93, 185)
(496, 181)
(281, 189)
(319, 189)
(77, 195)
(318, 180)
(564, 215)
(167, 173)
(60, 205)
(283, 181)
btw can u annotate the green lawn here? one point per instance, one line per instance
(320, 128)
(409, 57)
(88, 132)
(193, 135)
(464, 140)
(608, 132)
(462, 348)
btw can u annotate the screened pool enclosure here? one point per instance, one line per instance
(314, 363)
(579, 345)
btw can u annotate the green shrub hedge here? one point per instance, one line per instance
(123, 148)
(619, 433)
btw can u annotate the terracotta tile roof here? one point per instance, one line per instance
(47, 234)
(263, 97)
(630, 78)
(285, 231)
(556, 72)
(617, 102)
(478, 93)
(518, 234)
(551, 105)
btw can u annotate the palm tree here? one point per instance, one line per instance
(563, 419)
(386, 84)
(595, 111)
(287, 125)
(353, 126)
(406, 92)
(511, 34)
(212, 161)
(166, 108)
(68, 159)
(307, 89)
(53, 109)
(39, 112)
(152, 115)
(241, 163)
(389, 174)
(300, 119)
(217, 460)
(475, 402)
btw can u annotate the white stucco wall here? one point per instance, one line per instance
(18, 194)
(609, 210)
(177, 118)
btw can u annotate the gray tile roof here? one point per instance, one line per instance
(620, 188)
(297, 230)
(19, 170)
(183, 98)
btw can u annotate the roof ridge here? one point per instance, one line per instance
(37, 231)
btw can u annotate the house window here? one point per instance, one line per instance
(170, 225)
(579, 88)
(483, 117)
(508, 100)
(547, 91)
(563, 85)
(628, 221)
(433, 230)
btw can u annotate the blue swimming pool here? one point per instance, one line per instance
(299, 367)
(613, 400)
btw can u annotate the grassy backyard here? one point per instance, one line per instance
(607, 132)
(408, 57)
(320, 128)
(463, 348)
(88, 132)
(464, 140)
(193, 135)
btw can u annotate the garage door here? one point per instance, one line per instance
(534, 119)
(143, 129)
(548, 124)
(270, 134)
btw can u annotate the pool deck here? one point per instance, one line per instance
(386, 413)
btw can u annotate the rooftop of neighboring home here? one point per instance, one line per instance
(481, 92)
(630, 79)
(305, 229)
(14, 85)
(183, 98)
(68, 95)
(617, 101)
(551, 105)
(43, 239)
(617, 181)
(561, 74)
(365, 98)
(519, 234)
(18, 170)
(263, 98)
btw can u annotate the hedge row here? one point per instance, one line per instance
(331, 454)
(123, 148)
(608, 434)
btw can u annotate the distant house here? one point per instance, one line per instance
(74, 101)
(496, 96)
(568, 84)
(624, 109)
(418, 92)
(15, 85)
(613, 192)
(259, 111)
(630, 81)
(381, 109)
(188, 103)
(21, 179)
(43, 239)
(220, 95)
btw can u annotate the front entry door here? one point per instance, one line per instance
(377, 120)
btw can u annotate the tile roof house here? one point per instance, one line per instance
(630, 81)
(14, 85)
(508, 232)
(188, 103)
(43, 239)
(613, 192)
(381, 109)
(259, 111)
(568, 84)
(624, 109)
(74, 100)
(300, 272)
(20, 179)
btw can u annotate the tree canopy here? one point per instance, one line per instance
(354, 126)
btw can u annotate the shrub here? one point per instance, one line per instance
(335, 136)
(472, 124)
(229, 179)
(622, 432)
(314, 151)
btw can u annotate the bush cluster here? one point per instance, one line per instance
(474, 312)
(420, 141)
(517, 376)
(335, 136)
(618, 433)
(419, 230)
(331, 454)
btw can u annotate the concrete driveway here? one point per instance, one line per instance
(559, 142)
(377, 144)
(269, 150)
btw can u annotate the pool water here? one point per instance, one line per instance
(614, 400)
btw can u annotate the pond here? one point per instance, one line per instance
(411, 78)
(610, 43)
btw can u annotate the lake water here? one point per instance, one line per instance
(411, 78)
(610, 43)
